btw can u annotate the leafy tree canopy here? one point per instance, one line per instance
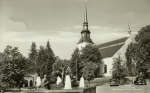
(139, 53)
(13, 67)
(119, 71)
(81, 59)
(45, 61)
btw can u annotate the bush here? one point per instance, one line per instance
(124, 81)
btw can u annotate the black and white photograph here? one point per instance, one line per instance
(74, 46)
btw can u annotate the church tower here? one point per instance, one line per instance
(85, 33)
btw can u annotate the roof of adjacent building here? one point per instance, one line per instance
(108, 49)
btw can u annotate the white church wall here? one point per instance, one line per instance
(109, 64)
(101, 68)
(121, 52)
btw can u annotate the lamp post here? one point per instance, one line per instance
(78, 56)
(76, 69)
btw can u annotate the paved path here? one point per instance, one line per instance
(123, 89)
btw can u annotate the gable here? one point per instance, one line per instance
(108, 49)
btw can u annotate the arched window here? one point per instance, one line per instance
(31, 83)
(105, 68)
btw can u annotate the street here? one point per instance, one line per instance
(123, 89)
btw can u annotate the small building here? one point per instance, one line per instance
(30, 80)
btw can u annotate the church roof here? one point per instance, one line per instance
(87, 31)
(108, 49)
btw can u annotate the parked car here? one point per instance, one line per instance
(75, 83)
(2, 89)
(140, 81)
(114, 82)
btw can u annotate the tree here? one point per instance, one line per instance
(75, 60)
(131, 58)
(58, 67)
(89, 54)
(119, 71)
(42, 62)
(14, 67)
(50, 57)
(46, 58)
(50, 51)
(141, 54)
(33, 55)
(89, 71)
(3, 85)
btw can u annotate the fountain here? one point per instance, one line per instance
(38, 81)
(67, 82)
(81, 84)
(43, 81)
(68, 79)
(58, 80)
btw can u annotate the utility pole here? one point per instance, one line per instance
(77, 68)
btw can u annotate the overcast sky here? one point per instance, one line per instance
(60, 22)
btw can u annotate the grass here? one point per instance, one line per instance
(97, 82)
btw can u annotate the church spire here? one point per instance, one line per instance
(85, 33)
(85, 23)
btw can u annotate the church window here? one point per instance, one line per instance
(105, 68)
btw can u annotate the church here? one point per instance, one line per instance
(109, 50)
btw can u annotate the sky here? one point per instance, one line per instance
(60, 21)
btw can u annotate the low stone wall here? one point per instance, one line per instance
(86, 90)
(57, 91)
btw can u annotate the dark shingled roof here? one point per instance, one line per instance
(108, 49)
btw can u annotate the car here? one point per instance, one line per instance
(75, 83)
(114, 82)
(2, 89)
(140, 81)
